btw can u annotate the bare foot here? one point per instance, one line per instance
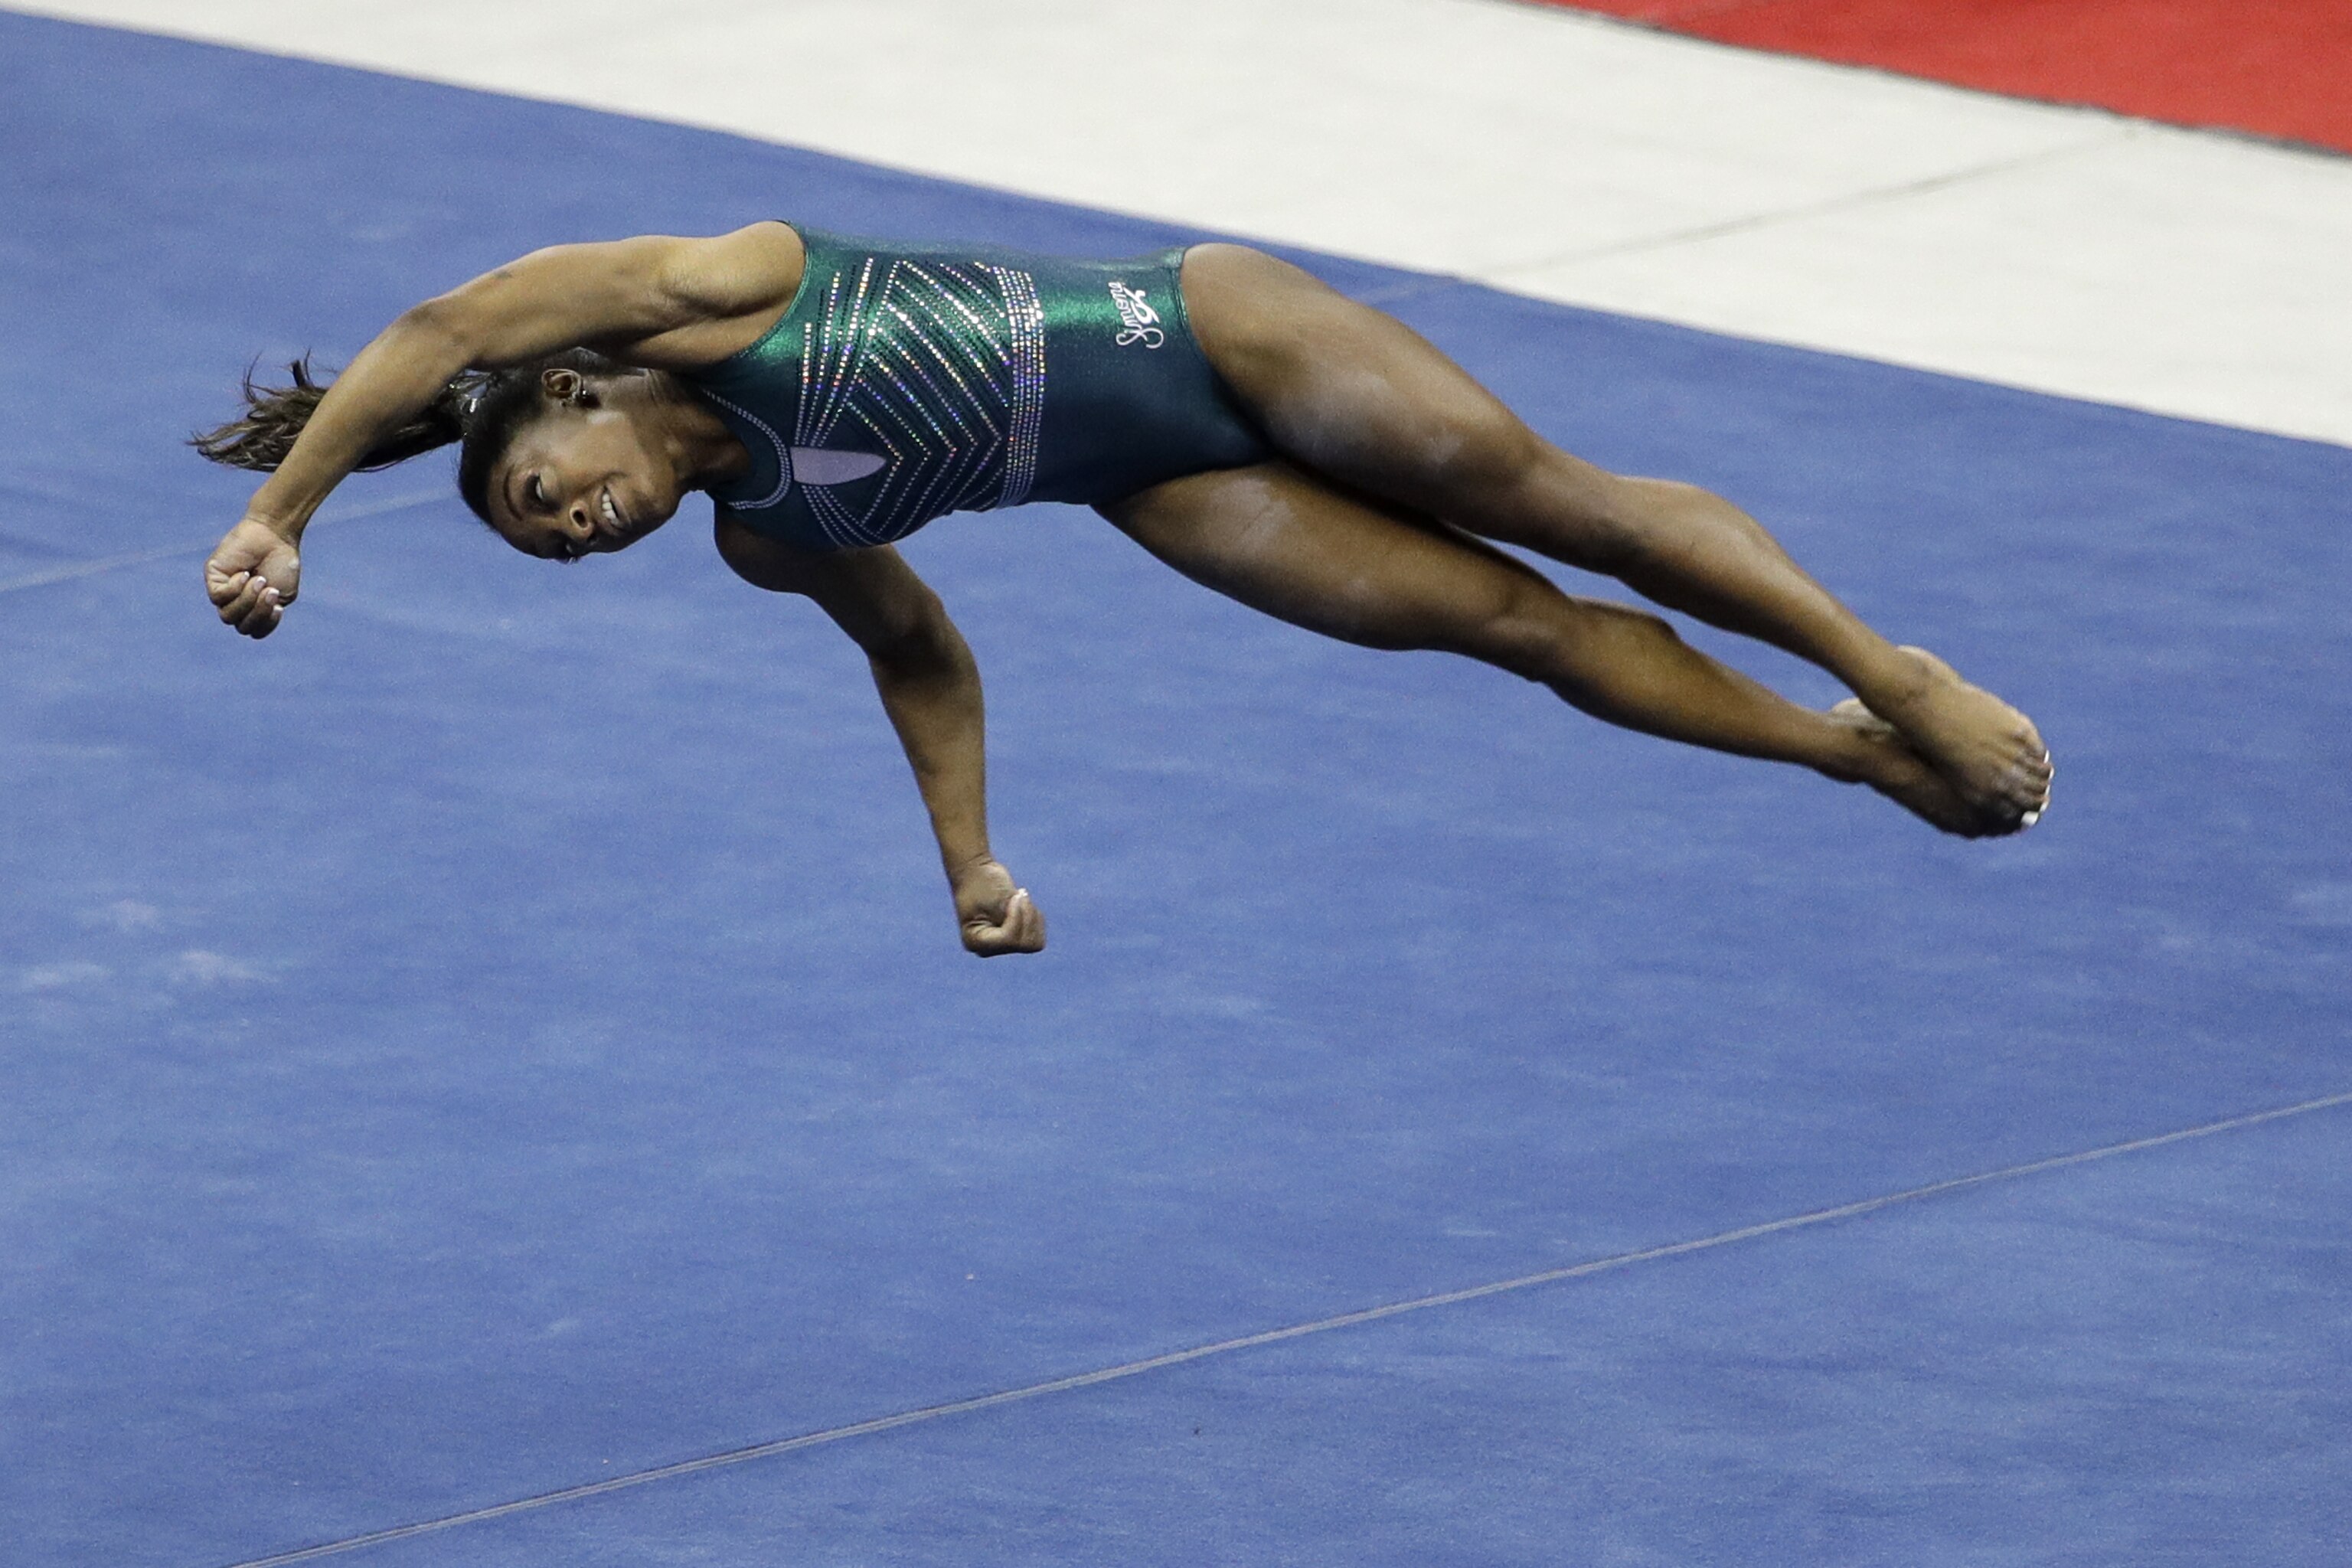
(1887, 763)
(1990, 753)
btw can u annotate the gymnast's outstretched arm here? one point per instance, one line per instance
(931, 688)
(654, 301)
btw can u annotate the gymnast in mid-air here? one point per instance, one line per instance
(1254, 429)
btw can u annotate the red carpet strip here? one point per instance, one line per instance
(2276, 67)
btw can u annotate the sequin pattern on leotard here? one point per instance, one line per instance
(903, 383)
(943, 364)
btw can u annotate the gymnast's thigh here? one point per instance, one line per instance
(1290, 544)
(1351, 391)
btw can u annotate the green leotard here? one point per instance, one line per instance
(908, 382)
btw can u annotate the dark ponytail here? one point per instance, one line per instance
(483, 409)
(274, 416)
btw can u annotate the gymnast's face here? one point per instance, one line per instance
(593, 473)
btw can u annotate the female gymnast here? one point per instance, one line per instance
(1262, 433)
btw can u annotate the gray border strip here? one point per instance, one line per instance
(1276, 1336)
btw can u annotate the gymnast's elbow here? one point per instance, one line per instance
(437, 328)
(922, 644)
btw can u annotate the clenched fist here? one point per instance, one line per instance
(252, 577)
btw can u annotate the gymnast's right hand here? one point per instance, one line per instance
(997, 917)
(252, 577)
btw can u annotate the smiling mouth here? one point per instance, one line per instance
(616, 520)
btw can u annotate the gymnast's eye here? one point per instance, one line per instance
(538, 492)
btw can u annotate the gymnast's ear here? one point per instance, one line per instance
(565, 384)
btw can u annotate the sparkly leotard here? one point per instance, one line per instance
(908, 382)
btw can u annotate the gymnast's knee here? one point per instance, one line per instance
(1488, 462)
(1634, 519)
(1531, 630)
(1516, 485)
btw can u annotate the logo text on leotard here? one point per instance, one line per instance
(1143, 322)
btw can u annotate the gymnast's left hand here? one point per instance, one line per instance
(997, 917)
(252, 577)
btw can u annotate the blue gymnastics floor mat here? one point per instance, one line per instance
(506, 1030)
